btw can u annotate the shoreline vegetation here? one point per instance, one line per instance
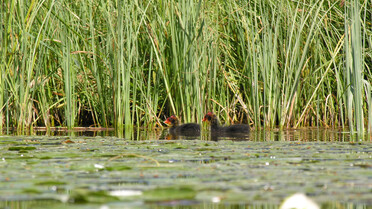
(282, 64)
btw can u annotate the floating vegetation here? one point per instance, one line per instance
(184, 172)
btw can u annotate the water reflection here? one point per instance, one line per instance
(170, 136)
(60, 131)
(144, 133)
(304, 135)
(229, 136)
(207, 136)
(184, 204)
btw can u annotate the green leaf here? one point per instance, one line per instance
(50, 183)
(18, 148)
(169, 193)
(85, 196)
(118, 168)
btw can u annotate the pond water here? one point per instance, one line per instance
(141, 169)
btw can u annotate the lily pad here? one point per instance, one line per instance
(118, 168)
(50, 183)
(169, 193)
(87, 196)
(31, 191)
(19, 148)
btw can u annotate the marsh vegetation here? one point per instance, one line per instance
(119, 63)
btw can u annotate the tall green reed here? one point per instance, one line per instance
(109, 63)
(354, 66)
(188, 45)
(5, 15)
(275, 55)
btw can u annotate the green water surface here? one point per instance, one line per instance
(258, 171)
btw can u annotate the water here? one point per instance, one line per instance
(143, 170)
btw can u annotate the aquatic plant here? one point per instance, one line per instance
(113, 64)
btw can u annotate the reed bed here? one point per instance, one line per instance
(121, 63)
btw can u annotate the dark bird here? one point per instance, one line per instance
(232, 129)
(187, 129)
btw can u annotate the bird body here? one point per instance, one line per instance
(232, 129)
(187, 129)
